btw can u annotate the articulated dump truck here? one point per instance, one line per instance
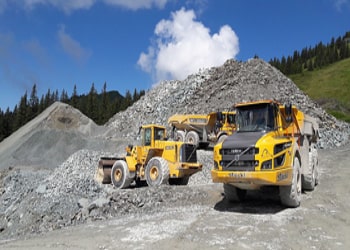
(273, 145)
(156, 161)
(201, 129)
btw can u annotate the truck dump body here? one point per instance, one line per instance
(203, 128)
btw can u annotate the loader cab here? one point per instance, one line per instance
(256, 117)
(151, 133)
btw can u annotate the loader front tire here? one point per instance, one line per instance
(157, 172)
(291, 195)
(120, 175)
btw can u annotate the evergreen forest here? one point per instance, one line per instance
(99, 107)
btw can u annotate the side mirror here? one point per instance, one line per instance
(289, 111)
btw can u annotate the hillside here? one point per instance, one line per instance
(329, 87)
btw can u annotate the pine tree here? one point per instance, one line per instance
(33, 103)
(105, 105)
(74, 97)
(92, 105)
(21, 116)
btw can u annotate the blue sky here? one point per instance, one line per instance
(135, 44)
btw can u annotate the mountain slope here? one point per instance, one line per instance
(50, 138)
(329, 87)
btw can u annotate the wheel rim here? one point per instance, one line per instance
(153, 173)
(118, 175)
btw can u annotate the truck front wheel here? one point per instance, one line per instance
(120, 174)
(291, 195)
(234, 194)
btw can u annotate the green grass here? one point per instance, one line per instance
(329, 86)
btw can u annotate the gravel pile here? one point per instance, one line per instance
(219, 89)
(34, 201)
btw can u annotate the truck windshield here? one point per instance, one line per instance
(253, 118)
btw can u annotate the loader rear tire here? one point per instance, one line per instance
(291, 195)
(193, 138)
(180, 135)
(157, 172)
(233, 193)
(120, 175)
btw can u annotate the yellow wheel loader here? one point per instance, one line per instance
(201, 129)
(273, 145)
(156, 161)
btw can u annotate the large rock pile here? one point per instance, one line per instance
(220, 88)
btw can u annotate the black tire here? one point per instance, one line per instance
(180, 135)
(140, 183)
(310, 178)
(179, 181)
(120, 174)
(233, 193)
(291, 195)
(157, 172)
(193, 138)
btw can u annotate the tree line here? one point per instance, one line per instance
(310, 58)
(99, 107)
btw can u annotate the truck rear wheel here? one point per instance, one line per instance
(233, 193)
(180, 135)
(310, 178)
(291, 195)
(120, 174)
(193, 138)
(157, 172)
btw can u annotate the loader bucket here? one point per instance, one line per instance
(103, 172)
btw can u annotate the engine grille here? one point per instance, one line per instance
(188, 153)
(239, 159)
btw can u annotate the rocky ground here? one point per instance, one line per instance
(198, 217)
(47, 177)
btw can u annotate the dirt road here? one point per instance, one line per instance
(321, 222)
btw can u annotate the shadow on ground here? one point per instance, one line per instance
(255, 202)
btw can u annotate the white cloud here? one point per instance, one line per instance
(68, 6)
(137, 4)
(341, 4)
(184, 46)
(3, 5)
(72, 47)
